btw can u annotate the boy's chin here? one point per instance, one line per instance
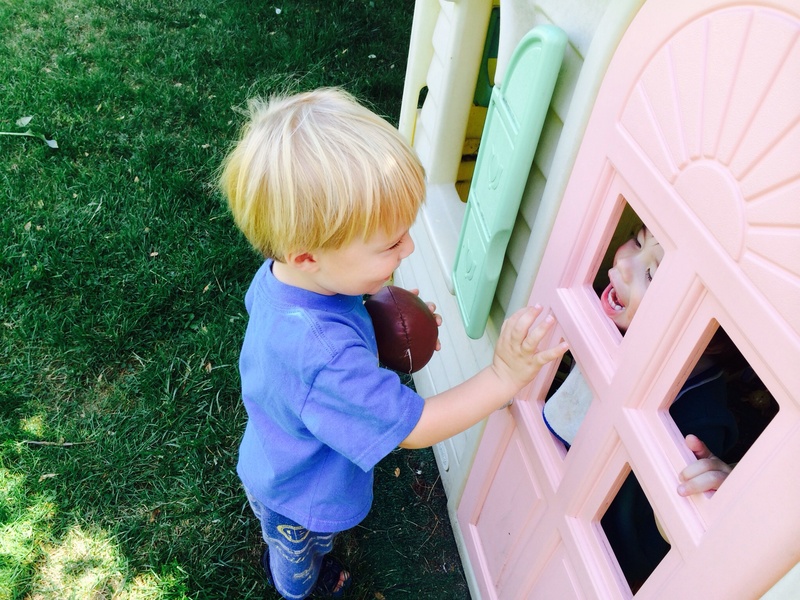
(622, 322)
(374, 290)
(378, 286)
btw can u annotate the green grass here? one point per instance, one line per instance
(121, 287)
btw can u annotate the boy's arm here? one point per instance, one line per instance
(516, 362)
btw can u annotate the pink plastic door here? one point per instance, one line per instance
(697, 127)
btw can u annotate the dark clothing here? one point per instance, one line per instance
(700, 409)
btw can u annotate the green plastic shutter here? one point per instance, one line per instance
(514, 122)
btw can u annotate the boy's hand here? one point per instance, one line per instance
(706, 474)
(517, 359)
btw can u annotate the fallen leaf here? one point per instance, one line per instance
(30, 133)
(379, 596)
(23, 121)
(47, 476)
(397, 472)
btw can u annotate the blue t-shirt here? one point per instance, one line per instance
(321, 411)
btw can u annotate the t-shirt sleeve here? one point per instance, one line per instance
(359, 409)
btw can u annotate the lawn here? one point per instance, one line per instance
(121, 297)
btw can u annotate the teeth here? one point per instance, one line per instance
(613, 301)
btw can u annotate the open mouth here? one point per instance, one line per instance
(611, 301)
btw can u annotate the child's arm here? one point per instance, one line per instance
(706, 474)
(516, 362)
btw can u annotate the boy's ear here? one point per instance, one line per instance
(303, 261)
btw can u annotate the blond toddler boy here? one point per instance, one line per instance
(326, 191)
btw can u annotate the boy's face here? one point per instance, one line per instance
(635, 265)
(362, 266)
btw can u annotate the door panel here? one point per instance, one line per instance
(696, 128)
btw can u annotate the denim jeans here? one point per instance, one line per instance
(295, 553)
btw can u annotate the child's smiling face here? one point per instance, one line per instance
(362, 266)
(635, 265)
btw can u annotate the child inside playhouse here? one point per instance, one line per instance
(699, 411)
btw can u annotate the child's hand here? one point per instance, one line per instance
(432, 308)
(706, 474)
(517, 359)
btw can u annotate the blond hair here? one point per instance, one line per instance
(317, 170)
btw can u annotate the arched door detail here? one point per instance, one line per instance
(697, 127)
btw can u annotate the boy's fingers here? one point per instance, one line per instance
(550, 354)
(704, 482)
(698, 448)
(522, 321)
(554, 353)
(702, 466)
(432, 307)
(542, 328)
(511, 323)
(536, 334)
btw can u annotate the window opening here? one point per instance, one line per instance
(723, 401)
(566, 401)
(564, 367)
(727, 407)
(638, 542)
(629, 264)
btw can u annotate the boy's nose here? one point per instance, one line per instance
(409, 247)
(625, 267)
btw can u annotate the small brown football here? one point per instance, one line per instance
(405, 329)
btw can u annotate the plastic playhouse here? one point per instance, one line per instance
(548, 130)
